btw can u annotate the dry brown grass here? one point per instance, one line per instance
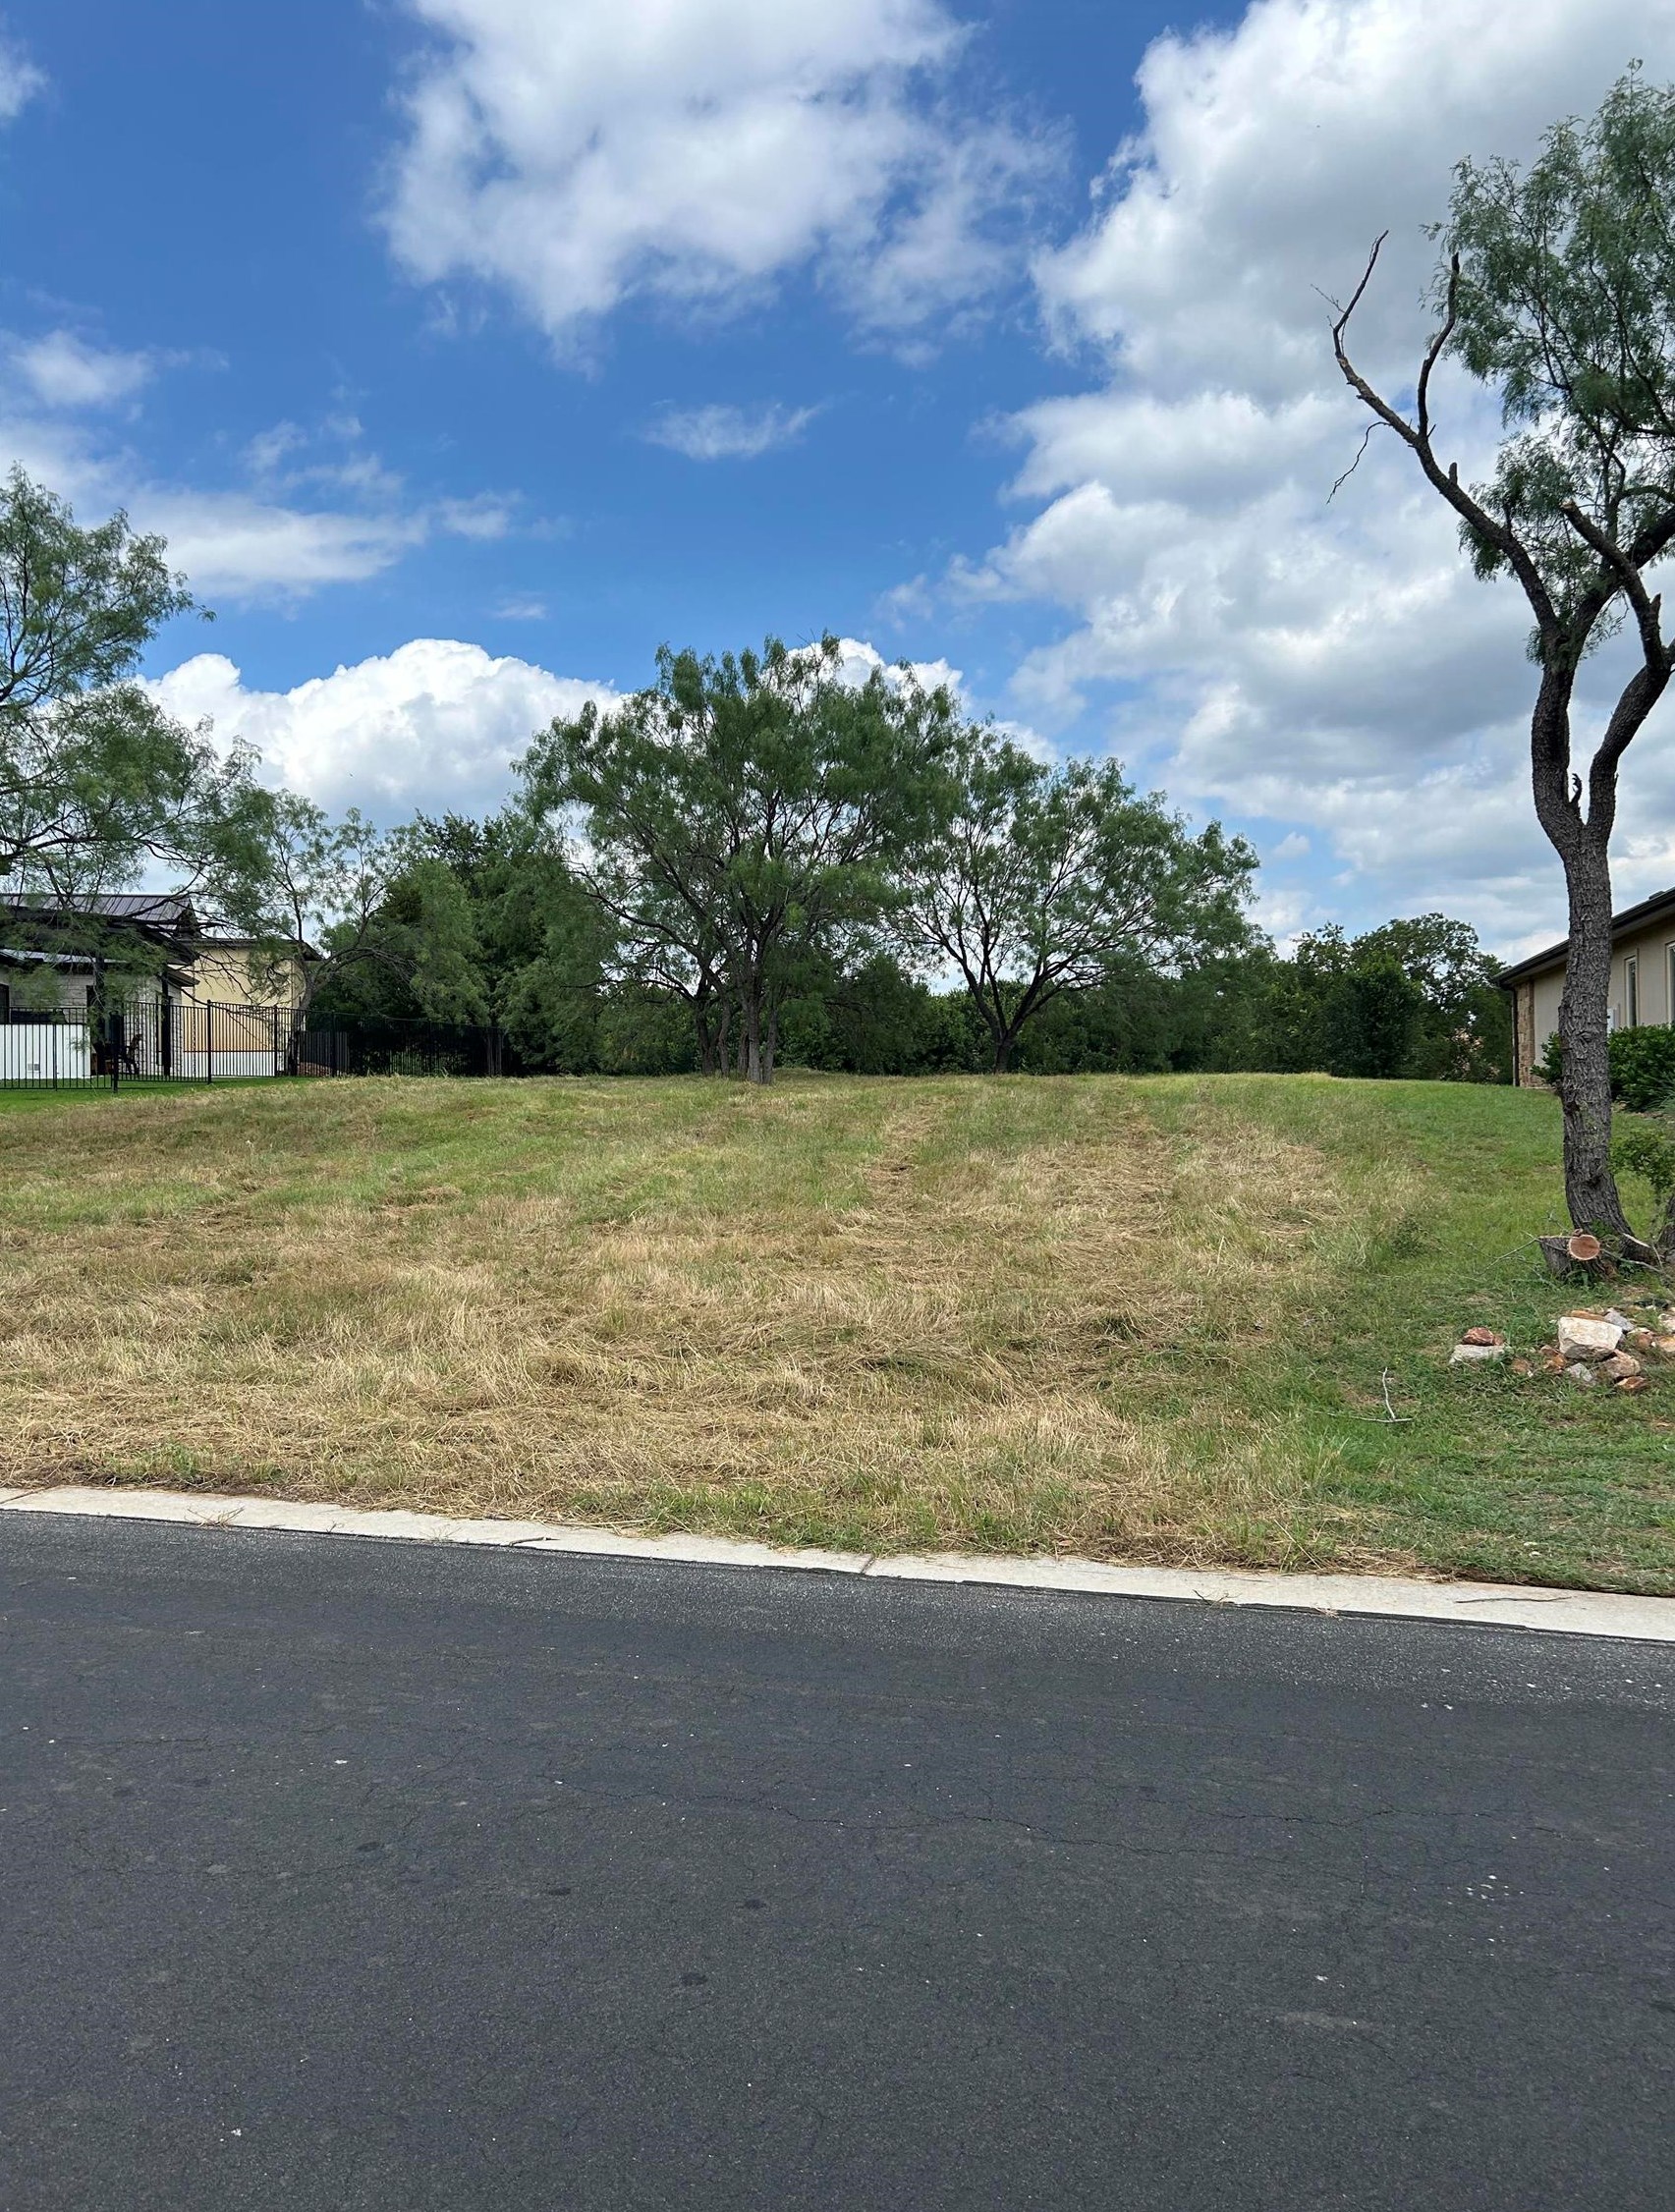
(870, 1313)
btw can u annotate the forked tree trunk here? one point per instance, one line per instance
(710, 1020)
(1583, 844)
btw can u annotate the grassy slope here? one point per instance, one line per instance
(1143, 1318)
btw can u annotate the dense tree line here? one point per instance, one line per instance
(754, 861)
(489, 921)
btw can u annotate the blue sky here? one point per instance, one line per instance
(435, 325)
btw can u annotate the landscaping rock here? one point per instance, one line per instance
(1665, 1347)
(1580, 1337)
(1476, 1354)
(1633, 1383)
(1666, 1322)
(1522, 1367)
(1479, 1335)
(1622, 1367)
(1578, 1372)
(1622, 1319)
(1640, 1340)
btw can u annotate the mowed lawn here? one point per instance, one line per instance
(1146, 1319)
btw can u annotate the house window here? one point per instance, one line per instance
(1631, 990)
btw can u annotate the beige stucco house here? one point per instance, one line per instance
(243, 971)
(1642, 980)
(152, 940)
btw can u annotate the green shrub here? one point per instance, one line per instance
(1645, 1148)
(1642, 1066)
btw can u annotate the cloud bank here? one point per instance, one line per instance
(436, 723)
(580, 153)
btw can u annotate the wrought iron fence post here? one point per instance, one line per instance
(208, 1042)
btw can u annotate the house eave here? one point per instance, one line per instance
(1626, 923)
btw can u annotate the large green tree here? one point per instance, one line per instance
(364, 921)
(98, 787)
(1040, 882)
(1556, 288)
(743, 822)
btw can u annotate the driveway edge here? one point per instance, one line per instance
(1591, 1613)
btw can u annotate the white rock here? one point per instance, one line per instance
(1622, 1320)
(1578, 1372)
(1580, 1338)
(1473, 1355)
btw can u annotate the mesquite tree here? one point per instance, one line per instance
(1042, 880)
(744, 820)
(1556, 288)
(98, 787)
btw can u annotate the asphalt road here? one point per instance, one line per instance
(341, 1875)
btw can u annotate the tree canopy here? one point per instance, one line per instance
(97, 784)
(1556, 288)
(1040, 880)
(742, 819)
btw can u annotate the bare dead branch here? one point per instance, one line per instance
(1360, 454)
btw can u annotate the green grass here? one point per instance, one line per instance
(1147, 1320)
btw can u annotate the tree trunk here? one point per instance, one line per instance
(1583, 843)
(752, 1038)
(770, 1041)
(1584, 1082)
(1003, 1044)
(710, 1023)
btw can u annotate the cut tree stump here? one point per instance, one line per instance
(1578, 1255)
(1582, 1253)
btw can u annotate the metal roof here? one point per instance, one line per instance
(164, 910)
(1621, 924)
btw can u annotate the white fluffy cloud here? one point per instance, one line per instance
(581, 152)
(1331, 664)
(19, 81)
(335, 516)
(728, 433)
(63, 370)
(435, 724)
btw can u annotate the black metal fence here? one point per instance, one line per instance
(392, 1047)
(193, 1043)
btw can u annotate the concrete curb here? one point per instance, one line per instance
(1589, 1612)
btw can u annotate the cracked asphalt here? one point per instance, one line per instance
(342, 1874)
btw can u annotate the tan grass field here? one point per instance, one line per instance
(1081, 1315)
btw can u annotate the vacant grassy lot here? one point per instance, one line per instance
(1145, 1319)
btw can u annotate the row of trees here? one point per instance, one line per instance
(492, 921)
(754, 858)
